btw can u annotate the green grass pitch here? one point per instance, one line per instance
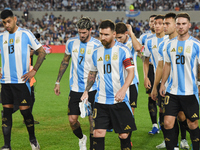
(54, 132)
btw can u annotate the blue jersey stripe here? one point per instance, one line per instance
(180, 66)
(2, 56)
(24, 53)
(12, 62)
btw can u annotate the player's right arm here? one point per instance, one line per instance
(147, 83)
(63, 66)
(158, 77)
(90, 81)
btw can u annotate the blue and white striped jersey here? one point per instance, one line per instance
(81, 54)
(129, 44)
(183, 56)
(15, 54)
(151, 49)
(109, 65)
(144, 36)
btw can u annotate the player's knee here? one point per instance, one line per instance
(192, 124)
(99, 133)
(168, 124)
(123, 135)
(72, 121)
(181, 116)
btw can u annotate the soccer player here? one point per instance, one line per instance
(169, 29)
(151, 50)
(15, 44)
(151, 104)
(181, 59)
(80, 49)
(112, 109)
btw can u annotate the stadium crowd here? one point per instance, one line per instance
(57, 30)
(99, 5)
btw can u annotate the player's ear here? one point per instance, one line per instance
(190, 25)
(15, 18)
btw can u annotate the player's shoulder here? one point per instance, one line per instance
(73, 39)
(194, 40)
(95, 41)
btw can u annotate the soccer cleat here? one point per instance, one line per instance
(36, 122)
(82, 143)
(184, 144)
(85, 108)
(176, 148)
(154, 130)
(6, 148)
(109, 130)
(131, 144)
(34, 144)
(162, 145)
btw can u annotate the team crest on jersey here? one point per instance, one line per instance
(129, 46)
(107, 57)
(154, 46)
(115, 56)
(89, 51)
(188, 49)
(5, 42)
(11, 41)
(180, 49)
(17, 40)
(164, 50)
(75, 51)
(173, 50)
(82, 50)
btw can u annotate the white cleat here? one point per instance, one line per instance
(162, 145)
(184, 144)
(82, 143)
(176, 148)
(35, 145)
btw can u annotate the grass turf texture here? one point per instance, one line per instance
(54, 132)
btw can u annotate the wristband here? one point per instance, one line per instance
(57, 83)
(34, 69)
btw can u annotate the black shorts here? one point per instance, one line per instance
(151, 78)
(117, 116)
(186, 103)
(160, 101)
(133, 94)
(17, 94)
(75, 98)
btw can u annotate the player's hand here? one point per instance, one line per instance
(57, 89)
(28, 75)
(129, 27)
(0, 75)
(147, 83)
(119, 97)
(84, 96)
(162, 90)
(154, 94)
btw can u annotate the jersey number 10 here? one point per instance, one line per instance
(107, 68)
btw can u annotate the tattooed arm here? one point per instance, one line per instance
(63, 66)
(40, 59)
(198, 77)
(90, 82)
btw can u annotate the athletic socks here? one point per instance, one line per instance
(91, 141)
(7, 125)
(98, 143)
(78, 132)
(183, 129)
(125, 143)
(194, 135)
(152, 110)
(29, 121)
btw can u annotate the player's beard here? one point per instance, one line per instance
(181, 33)
(84, 39)
(106, 43)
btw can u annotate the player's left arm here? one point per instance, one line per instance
(198, 77)
(128, 63)
(136, 44)
(40, 59)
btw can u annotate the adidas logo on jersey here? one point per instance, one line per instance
(195, 116)
(24, 101)
(173, 50)
(75, 51)
(100, 59)
(5, 42)
(154, 46)
(127, 127)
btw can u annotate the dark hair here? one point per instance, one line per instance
(120, 28)
(159, 17)
(152, 16)
(6, 13)
(84, 23)
(184, 15)
(37, 35)
(170, 15)
(107, 24)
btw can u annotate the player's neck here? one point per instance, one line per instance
(14, 30)
(160, 35)
(88, 39)
(183, 37)
(111, 44)
(126, 39)
(173, 35)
